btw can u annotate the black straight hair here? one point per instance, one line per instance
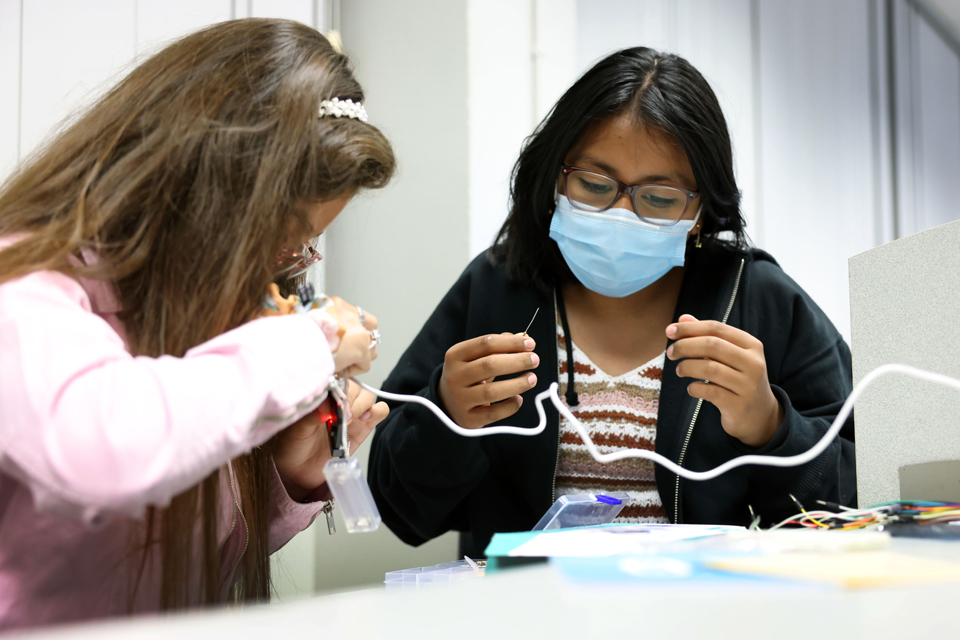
(658, 90)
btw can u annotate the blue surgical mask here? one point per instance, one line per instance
(615, 253)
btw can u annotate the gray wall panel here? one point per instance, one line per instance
(904, 305)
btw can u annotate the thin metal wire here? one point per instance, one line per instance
(531, 321)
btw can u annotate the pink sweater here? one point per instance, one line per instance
(91, 435)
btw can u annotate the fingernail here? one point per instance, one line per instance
(534, 359)
(670, 351)
(529, 344)
(532, 379)
(366, 416)
(672, 330)
(519, 401)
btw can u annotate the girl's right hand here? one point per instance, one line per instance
(467, 388)
(353, 355)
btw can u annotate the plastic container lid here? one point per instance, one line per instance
(582, 510)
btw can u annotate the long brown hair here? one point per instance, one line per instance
(185, 180)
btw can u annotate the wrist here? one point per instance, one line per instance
(770, 426)
(443, 392)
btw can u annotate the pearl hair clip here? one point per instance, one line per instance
(343, 108)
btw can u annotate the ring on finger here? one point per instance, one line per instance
(363, 316)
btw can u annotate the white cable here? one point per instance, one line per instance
(763, 460)
(473, 433)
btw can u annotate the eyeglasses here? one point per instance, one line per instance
(294, 263)
(654, 203)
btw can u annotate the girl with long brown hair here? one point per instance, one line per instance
(158, 439)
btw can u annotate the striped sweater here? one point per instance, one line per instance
(619, 412)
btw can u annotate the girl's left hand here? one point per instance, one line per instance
(301, 450)
(732, 360)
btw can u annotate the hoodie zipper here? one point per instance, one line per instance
(246, 530)
(556, 463)
(696, 411)
(327, 511)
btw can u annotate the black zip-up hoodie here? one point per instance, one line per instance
(428, 480)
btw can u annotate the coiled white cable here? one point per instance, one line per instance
(770, 461)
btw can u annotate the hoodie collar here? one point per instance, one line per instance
(102, 294)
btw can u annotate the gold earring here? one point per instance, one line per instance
(698, 245)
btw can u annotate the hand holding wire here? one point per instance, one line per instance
(733, 362)
(301, 450)
(355, 351)
(366, 413)
(468, 387)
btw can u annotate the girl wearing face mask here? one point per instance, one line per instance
(625, 231)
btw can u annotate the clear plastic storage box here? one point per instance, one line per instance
(349, 488)
(438, 574)
(582, 510)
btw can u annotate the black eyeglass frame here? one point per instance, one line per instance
(631, 190)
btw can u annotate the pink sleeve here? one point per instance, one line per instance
(329, 327)
(93, 430)
(288, 518)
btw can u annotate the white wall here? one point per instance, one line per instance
(926, 89)
(500, 109)
(816, 199)
(521, 57)
(9, 85)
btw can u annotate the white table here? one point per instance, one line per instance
(537, 603)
